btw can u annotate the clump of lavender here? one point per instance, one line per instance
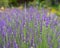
(29, 28)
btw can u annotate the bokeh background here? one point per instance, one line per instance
(50, 4)
(15, 3)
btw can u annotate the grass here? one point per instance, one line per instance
(44, 43)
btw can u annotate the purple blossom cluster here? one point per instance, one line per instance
(24, 28)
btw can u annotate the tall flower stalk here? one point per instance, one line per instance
(29, 28)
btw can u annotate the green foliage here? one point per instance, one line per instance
(40, 3)
(13, 2)
(4, 3)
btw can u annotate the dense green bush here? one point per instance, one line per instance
(4, 3)
(8, 3)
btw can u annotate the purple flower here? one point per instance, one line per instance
(53, 24)
(38, 16)
(47, 21)
(32, 41)
(27, 37)
(3, 33)
(30, 17)
(9, 30)
(12, 23)
(31, 9)
(43, 17)
(17, 24)
(14, 33)
(41, 26)
(7, 17)
(8, 45)
(15, 44)
(2, 22)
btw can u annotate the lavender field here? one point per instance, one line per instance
(29, 28)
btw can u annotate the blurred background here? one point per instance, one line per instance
(50, 4)
(43, 3)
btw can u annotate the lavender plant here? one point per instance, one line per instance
(29, 28)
